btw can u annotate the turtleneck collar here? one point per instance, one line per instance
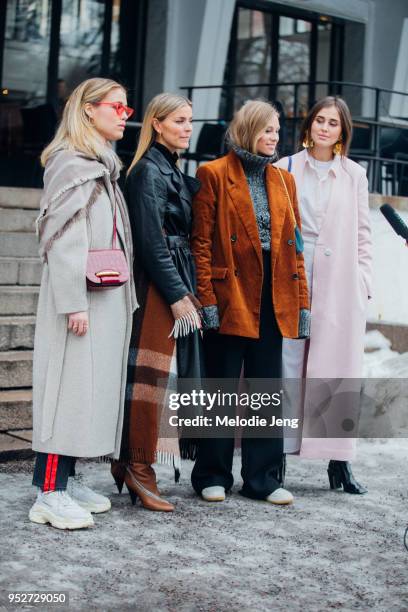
(251, 162)
(171, 157)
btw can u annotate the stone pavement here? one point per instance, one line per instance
(327, 551)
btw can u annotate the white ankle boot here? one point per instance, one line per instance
(280, 497)
(85, 497)
(59, 509)
(213, 494)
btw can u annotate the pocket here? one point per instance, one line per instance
(218, 273)
(363, 297)
(362, 285)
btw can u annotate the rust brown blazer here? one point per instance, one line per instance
(228, 254)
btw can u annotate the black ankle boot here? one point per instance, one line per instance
(340, 475)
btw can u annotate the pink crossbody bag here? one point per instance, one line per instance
(107, 268)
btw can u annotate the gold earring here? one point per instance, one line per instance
(308, 142)
(338, 148)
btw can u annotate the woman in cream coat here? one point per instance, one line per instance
(333, 202)
(81, 339)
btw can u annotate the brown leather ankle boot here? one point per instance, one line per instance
(140, 480)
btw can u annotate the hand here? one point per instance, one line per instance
(78, 323)
(183, 308)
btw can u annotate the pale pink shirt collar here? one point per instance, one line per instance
(334, 168)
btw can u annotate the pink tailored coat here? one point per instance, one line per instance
(340, 281)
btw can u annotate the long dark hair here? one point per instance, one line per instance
(345, 120)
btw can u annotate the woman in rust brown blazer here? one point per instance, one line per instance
(252, 285)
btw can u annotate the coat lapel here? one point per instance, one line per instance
(238, 191)
(278, 207)
(174, 179)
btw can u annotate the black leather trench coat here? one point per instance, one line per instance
(159, 198)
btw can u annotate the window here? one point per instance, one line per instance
(27, 35)
(49, 47)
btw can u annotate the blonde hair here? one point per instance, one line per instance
(249, 122)
(158, 108)
(76, 131)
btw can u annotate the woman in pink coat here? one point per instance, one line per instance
(333, 202)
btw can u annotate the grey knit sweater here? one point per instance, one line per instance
(254, 168)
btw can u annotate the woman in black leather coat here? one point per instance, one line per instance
(165, 340)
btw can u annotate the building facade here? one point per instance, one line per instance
(291, 51)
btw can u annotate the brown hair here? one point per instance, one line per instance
(249, 122)
(345, 120)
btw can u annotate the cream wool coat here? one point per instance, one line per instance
(341, 287)
(79, 382)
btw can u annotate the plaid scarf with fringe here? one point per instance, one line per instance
(152, 375)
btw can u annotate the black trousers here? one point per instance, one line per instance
(51, 472)
(224, 356)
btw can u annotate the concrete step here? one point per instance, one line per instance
(17, 220)
(18, 244)
(16, 409)
(20, 271)
(16, 369)
(17, 332)
(15, 197)
(14, 447)
(18, 300)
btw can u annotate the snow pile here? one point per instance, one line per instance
(380, 361)
(384, 408)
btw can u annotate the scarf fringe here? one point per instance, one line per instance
(71, 185)
(185, 325)
(104, 459)
(163, 457)
(80, 214)
(77, 182)
(166, 458)
(188, 448)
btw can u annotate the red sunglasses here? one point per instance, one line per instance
(119, 108)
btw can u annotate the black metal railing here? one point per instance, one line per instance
(386, 167)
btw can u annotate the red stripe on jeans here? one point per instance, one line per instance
(50, 459)
(54, 472)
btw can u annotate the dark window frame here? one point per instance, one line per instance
(136, 69)
(3, 14)
(276, 11)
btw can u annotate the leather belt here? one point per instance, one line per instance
(174, 242)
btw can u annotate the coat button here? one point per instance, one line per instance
(233, 238)
(328, 252)
(295, 276)
(236, 272)
(291, 242)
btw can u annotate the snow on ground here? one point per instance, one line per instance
(382, 362)
(329, 550)
(384, 409)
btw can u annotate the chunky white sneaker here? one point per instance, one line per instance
(85, 497)
(280, 496)
(57, 508)
(213, 494)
